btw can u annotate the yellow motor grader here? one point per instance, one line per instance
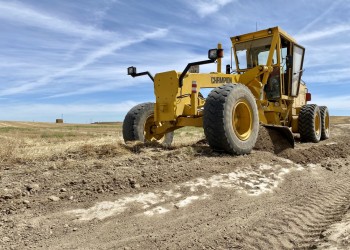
(265, 88)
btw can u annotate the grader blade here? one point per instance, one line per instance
(284, 131)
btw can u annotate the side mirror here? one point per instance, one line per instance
(131, 71)
(289, 61)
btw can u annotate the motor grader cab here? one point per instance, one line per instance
(264, 88)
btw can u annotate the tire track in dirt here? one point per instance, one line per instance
(297, 226)
(300, 226)
(336, 236)
(252, 180)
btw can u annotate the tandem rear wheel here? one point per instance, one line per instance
(313, 123)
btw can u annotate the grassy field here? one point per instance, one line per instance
(340, 119)
(27, 141)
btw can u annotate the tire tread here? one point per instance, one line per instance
(133, 125)
(306, 123)
(214, 119)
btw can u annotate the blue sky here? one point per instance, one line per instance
(70, 57)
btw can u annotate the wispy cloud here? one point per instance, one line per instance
(98, 16)
(207, 7)
(94, 89)
(57, 53)
(22, 14)
(90, 59)
(329, 76)
(339, 102)
(326, 32)
(72, 112)
(320, 17)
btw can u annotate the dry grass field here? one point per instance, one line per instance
(25, 142)
(31, 142)
(79, 186)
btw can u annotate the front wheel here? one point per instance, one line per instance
(138, 124)
(230, 119)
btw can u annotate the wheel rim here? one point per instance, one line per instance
(317, 124)
(326, 123)
(148, 134)
(242, 120)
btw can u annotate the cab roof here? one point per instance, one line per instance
(262, 33)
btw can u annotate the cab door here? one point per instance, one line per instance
(297, 69)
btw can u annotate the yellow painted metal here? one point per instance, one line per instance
(295, 125)
(242, 120)
(285, 97)
(261, 34)
(218, 65)
(164, 127)
(275, 40)
(166, 86)
(249, 78)
(317, 124)
(326, 123)
(272, 118)
(178, 107)
(188, 121)
(300, 100)
(148, 131)
(261, 112)
(171, 100)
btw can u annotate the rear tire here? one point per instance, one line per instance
(230, 119)
(325, 130)
(137, 125)
(310, 123)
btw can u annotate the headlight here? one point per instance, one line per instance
(131, 70)
(214, 54)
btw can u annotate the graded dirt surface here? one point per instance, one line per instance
(80, 187)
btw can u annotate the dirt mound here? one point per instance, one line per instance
(271, 140)
(99, 151)
(317, 153)
(139, 147)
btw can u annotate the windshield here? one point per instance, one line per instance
(253, 53)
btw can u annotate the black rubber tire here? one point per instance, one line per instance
(217, 119)
(307, 123)
(134, 124)
(325, 125)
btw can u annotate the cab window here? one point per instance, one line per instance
(253, 53)
(298, 56)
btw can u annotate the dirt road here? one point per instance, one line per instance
(111, 196)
